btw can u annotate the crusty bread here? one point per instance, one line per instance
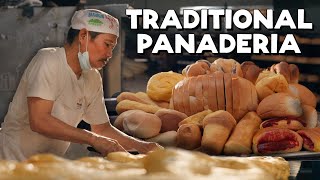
(303, 93)
(166, 139)
(220, 90)
(189, 136)
(198, 68)
(229, 66)
(144, 96)
(250, 71)
(159, 86)
(228, 92)
(310, 116)
(141, 124)
(212, 94)
(199, 94)
(185, 97)
(294, 73)
(217, 128)
(289, 71)
(126, 105)
(270, 84)
(276, 140)
(170, 119)
(118, 123)
(196, 118)
(279, 105)
(240, 141)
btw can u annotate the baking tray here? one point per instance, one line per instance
(299, 156)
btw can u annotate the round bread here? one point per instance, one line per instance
(229, 66)
(250, 71)
(270, 84)
(304, 94)
(142, 125)
(188, 136)
(159, 86)
(279, 105)
(170, 119)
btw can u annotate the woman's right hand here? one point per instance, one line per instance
(106, 145)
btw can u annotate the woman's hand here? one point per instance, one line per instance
(106, 145)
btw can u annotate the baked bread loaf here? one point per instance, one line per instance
(227, 66)
(159, 86)
(276, 140)
(170, 119)
(218, 91)
(217, 127)
(166, 139)
(240, 141)
(279, 105)
(126, 105)
(289, 71)
(196, 118)
(141, 124)
(269, 83)
(250, 71)
(189, 136)
(200, 67)
(304, 94)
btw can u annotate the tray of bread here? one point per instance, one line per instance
(225, 108)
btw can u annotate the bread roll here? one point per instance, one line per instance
(310, 116)
(229, 66)
(198, 68)
(279, 105)
(170, 119)
(196, 118)
(189, 136)
(118, 123)
(273, 83)
(217, 128)
(159, 86)
(290, 72)
(126, 105)
(130, 96)
(250, 71)
(141, 124)
(304, 94)
(144, 96)
(166, 139)
(311, 139)
(276, 140)
(240, 141)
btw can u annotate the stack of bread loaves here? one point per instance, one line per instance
(224, 107)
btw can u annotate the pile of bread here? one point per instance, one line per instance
(168, 164)
(224, 107)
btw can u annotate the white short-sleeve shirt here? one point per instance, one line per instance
(48, 76)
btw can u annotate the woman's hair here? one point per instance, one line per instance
(73, 33)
